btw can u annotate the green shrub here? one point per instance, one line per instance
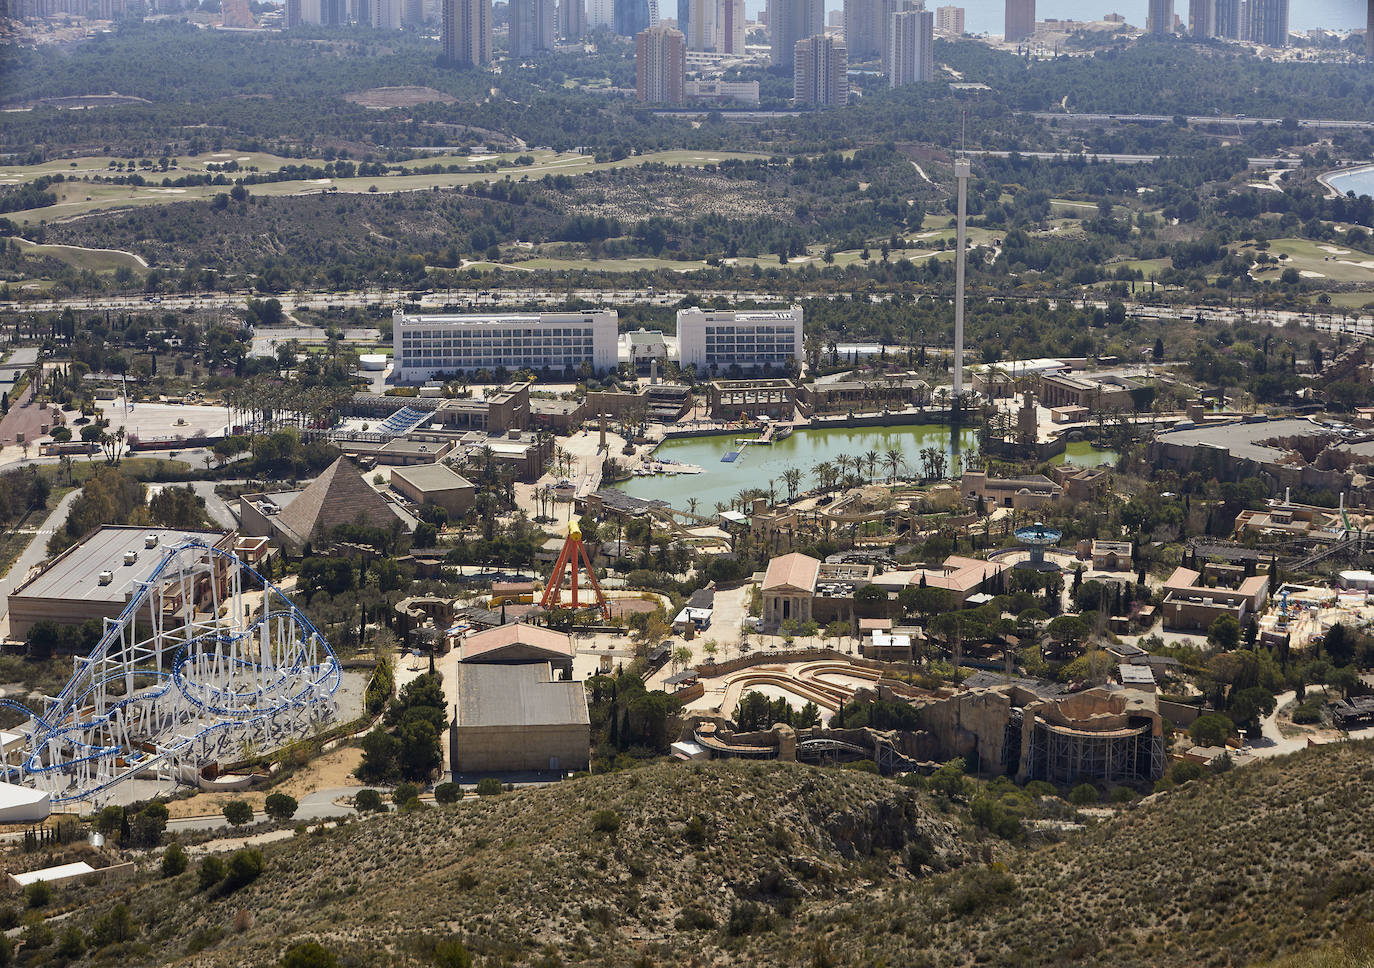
(448, 793)
(1123, 795)
(368, 801)
(694, 919)
(1184, 772)
(997, 816)
(244, 867)
(116, 927)
(606, 821)
(695, 831)
(1307, 713)
(308, 954)
(279, 806)
(174, 860)
(211, 872)
(38, 894)
(404, 793)
(238, 812)
(488, 786)
(982, 888)
(1083, 794)
(1039, 788)
(452, 954)
(37, 934)
(73, 943)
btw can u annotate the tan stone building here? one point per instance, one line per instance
(518, 643)
(1189, 605)
(789, 584)
(435, 484)
(515, 718)
(1023, 493)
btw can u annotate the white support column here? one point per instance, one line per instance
(961, 172)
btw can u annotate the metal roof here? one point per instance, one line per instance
(518, 695)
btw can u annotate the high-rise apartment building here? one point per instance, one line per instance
(333, 12)
(1160, 19)
(600, 13)
(949, 21)
(1227, 19)
(1269, 22)
(1020, 17)
(293, 13)
(425, 346)
(1202, 18)
(701, 25)
(750, 340)
(1369, 33)
(820, 72)
(466, 29)
(660, 65)
(730, 27)
(863, 23)
(412, 13)
(911, 47)
(684, 19)
(531, 26)
(572, 19)
(379, 14)
(630, 17)
(790, 21)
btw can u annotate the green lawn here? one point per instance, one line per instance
(1317, 261)
(97, 260)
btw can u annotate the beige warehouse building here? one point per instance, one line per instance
(435, 484)
(516, 718)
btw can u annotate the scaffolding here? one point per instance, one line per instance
(188, 675)
(1061, 754)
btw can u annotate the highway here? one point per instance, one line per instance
(1124, 159)
(1197, 119)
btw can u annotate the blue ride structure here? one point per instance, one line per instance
(209, 663)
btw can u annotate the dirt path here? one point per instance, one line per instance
(333, 769)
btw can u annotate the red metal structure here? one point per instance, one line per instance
(574, 553)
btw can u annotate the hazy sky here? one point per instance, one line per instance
(985, 16)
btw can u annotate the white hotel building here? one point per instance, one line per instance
(748, 339)
(429, 345)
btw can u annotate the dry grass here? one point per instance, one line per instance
(735, 864)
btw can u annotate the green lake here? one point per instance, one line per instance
(720, 482)
(1083, 454)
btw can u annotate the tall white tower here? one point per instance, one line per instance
(961, 172)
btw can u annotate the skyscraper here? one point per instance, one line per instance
(660, 65)
(600, 13)
(572, 19)
(890, 7)
(1202, 18)
(820, 72)
(949, 21)
(1269, 22)
(684, 18)
(701, 29)
(1227, 13)
(412, 13)
(863, 26)
(790, 21)
(531, 26)
(293, 13)
(911, 47)
(630, 17)
(1020, 20)
(1369, 33)
(467, 32)
(730, 27)
(1160, 19)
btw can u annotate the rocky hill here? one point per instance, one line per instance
(771, 864)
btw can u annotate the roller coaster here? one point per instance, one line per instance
(190, 674)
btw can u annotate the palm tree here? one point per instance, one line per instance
(871, 459)
(692, 505)
(792, 479)
(894, 461)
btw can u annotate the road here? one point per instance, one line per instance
(215, 506)
(1124, 159)
(1198, 119)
